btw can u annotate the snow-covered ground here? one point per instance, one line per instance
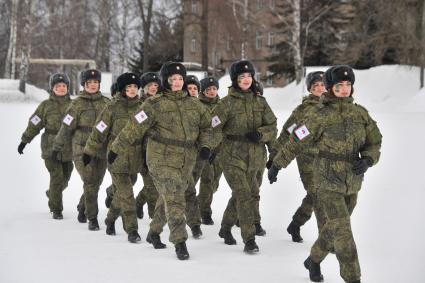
(387, 222)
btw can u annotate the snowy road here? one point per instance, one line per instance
(387, 223)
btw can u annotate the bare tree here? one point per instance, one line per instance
(9, 71)
(420, 38)
(295, 21)
(146, 15)
(103, 34)
(26, 44)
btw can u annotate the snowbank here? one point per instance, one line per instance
(383, 88)
(9, 92)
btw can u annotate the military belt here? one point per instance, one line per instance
(51, 131)
(85, 129)
(337, 157)
(237, 138)
(138, 142)
(185, 144)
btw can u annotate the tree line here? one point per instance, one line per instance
(139, 35)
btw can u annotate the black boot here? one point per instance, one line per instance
(259, 231)
(227, 236)
(207, 220)
(57, 215)
(314, 270)
(251, 247)
(108, 201)
(294, 230)
(139, 210)
(196, 231)
(81, 214)
(93, 224)
(181, 251)
(134, 237)
(155, 240)
(110, 227)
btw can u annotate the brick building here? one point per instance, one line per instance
(235, 31)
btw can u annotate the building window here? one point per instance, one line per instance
(270, 40)
(269, 78)
(258, 40)
(194, 7)
(272, 4)
(193, 46)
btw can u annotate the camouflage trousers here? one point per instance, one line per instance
(230, 215)
(304, 212)
(148, 194)
(123, 202)
(170, 207)
(244, 203)
(60, 173)
(210, 179)
(336, 235)
(92, 177)
(193, 213)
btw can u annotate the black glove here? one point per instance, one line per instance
(360, 166)
(254, 136)
(86, 159)
(55, 155)
(21, 147)
(212, 157)
(272, 174)
(269, 164)
(111, 157)
(204, 153)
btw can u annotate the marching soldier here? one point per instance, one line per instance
(48, 116)
(76, 126)
(178, 123)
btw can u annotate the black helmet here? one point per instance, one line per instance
(338, 74)
(313, 77)
(240, 67)
(127, 79)
(149, 77)
(171, 68)
(90, 74)
(207, 82)
(193, 80)
(58, 78)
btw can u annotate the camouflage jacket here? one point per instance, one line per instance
(78, 123)
(176, 123)
(109, 124)
(49, 115)
(209, 102)
(341, 132)
(306, 158)
(237, 114)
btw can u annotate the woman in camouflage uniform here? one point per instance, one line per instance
(316, 87)
(179, 123)
(247, 123)
(150, 85)
(348, 142)
(125, 169)
(48, 116)
(76, 126)
(211, 171)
